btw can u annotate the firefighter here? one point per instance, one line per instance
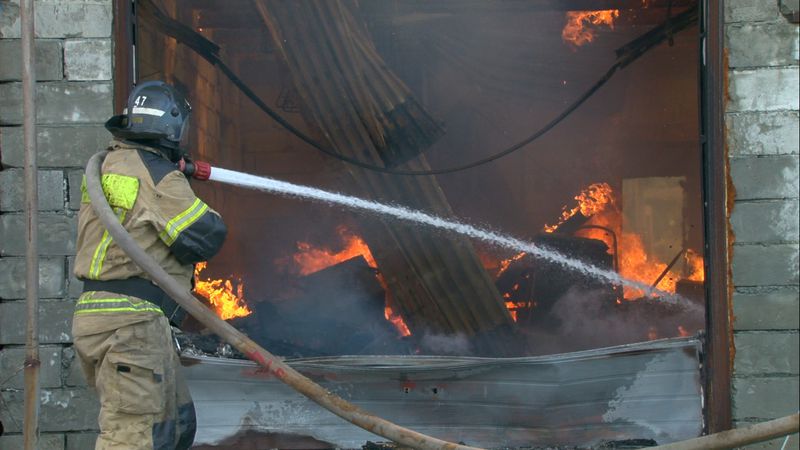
(122, 323)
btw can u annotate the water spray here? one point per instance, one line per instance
(204, 171)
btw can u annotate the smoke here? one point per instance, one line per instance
(583, 319)
(441, 344)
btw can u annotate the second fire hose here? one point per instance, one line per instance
(237, 339)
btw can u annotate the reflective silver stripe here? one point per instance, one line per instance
(148, 111)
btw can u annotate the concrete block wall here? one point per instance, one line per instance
(762, 137)
(73, 97)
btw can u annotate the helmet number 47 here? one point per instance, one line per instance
(140, 100)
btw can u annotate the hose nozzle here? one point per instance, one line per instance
(199, 170)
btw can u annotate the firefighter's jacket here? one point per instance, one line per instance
(155, 204)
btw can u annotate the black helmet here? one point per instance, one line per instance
(156, 114)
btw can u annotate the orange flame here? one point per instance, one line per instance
(696, 269)
(597, 202)
(577, 32)
(310, 259)
(396, 320)
(512, 309)
(504, 264)
(635, 264)
(591, 201)
(220, 293)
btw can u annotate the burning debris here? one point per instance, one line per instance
(597, 216)
(310, 259)
(228, 301)
(337, 304)
(592, 200)
(579, 29)
(336, 310)
(548, 301)
(340, 291)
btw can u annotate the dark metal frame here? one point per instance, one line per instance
(715, 197)
(124, 51)
(713, 69)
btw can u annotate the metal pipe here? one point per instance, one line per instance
(740, 436)
(615, 244)
(30, 427)
(666, 270)
(247, 346)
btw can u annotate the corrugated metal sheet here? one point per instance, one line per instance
(648, 390)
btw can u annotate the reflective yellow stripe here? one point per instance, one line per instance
(87, 305)
(100, 252)
(84, 195)
(182, 221)
(101, 310)
(94, 267)
(191, 219)
(86, 301)
(120, 190)
(170, 232)
(120, 300)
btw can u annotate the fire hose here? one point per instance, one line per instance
(738, 437)
(316, 393)
(237, 339)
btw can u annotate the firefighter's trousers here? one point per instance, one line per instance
(126, 349)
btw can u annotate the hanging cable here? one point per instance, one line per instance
(209, 51)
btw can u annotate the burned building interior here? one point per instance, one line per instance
(596, 103)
